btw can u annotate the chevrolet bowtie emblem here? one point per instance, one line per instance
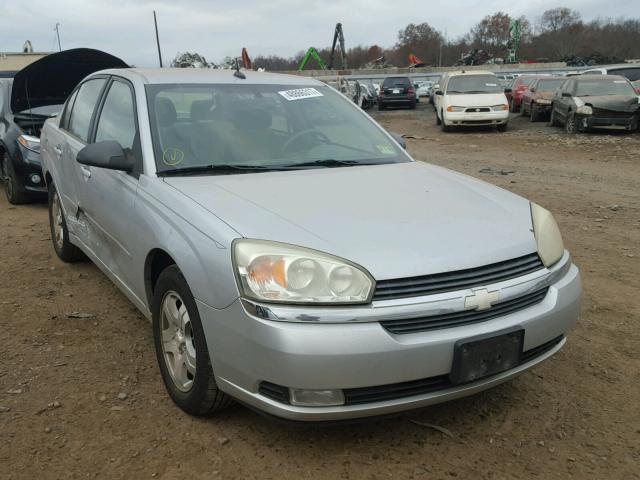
(481, 299)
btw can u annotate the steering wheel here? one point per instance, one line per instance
(304, 133)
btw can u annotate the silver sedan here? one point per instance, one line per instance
(290, 253)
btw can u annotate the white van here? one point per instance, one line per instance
(629, 70)
(471, 99)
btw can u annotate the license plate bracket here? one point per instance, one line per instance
(486, 355)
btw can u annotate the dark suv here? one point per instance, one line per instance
(397, 91)
(35, 94)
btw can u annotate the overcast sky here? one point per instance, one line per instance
(283, 27)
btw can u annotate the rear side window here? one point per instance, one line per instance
(83, 108)
(64, 121)
(632, 74)
(117, 119)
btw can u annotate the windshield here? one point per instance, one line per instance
(604, 86)
(474, 84)
(262, 126)
(550, 85)
(396, 82)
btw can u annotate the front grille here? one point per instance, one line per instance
(354, 396)
(477, 109)
(464, 317)
(601, 112)
(458, 280)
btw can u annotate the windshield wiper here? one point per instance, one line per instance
(221, 169)
(328, 162)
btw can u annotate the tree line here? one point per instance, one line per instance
(557, 35)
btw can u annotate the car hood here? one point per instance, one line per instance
(395, 220)
(620, 103)
(51, 79)
(547, 95)
(477, 99)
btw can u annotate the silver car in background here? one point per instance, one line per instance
(291, 255)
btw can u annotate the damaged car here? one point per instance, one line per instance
(35, 94)
(536, 101)
(587, 102)
(289, 252)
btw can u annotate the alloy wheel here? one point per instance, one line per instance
(56, 217)
(178, 345)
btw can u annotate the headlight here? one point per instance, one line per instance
(543, 101)
(30, 143)
(584, 110)
(451, 108)
(500, 107)
(282, 273)
(547, 233)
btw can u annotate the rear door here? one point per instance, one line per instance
(562, 103)
(107, 196)
(75, 124)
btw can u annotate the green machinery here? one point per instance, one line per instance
(514, 41)
(338, 36)
(312, 53)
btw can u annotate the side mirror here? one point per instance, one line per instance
(399, 140)
(108, 154)
(532, 90)
(507, 90)
(438, 92)
(566, 94)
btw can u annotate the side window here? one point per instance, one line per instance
(64, 120)
(117, 119)
(83, 108)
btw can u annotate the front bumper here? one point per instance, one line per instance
(612, 123)
(27, 167)
(310, 352)
(476, 118)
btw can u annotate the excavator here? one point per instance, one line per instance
(338, 36)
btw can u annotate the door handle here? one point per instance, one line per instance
(86, 172)
(58, 149)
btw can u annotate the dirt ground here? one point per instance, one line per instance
(83, 398)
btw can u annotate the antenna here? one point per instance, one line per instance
(57, 29)
(155, 22)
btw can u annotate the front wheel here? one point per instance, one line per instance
(533, 114)
(443, 126)
(571, 125)
(502, 127)
(181, 347)
(12, 188)
(553, 119)
(66, 251)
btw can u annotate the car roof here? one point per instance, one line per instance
(596, 76)
(209, 75)
(470, 72)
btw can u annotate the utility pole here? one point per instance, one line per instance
(155, 22)
(57, 29)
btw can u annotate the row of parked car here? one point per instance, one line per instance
(287, 249)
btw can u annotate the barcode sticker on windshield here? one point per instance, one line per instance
(300, 93)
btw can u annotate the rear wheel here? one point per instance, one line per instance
(13, 190)
(181, 347)
(66, 251)
(523, 112)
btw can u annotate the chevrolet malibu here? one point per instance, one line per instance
(291, 255)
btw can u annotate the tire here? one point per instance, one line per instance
(553, 119)
(523, 112)
(13, 190)
(380, 106)
(438, 121)
(412, 105)
(193, 388)
(443, 127)
(502, 127)
(513, 107)
(571, 125)
(66, 251)
(534, 115)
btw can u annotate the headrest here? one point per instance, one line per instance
(252, 119)
(201, 110)
(165, 112)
